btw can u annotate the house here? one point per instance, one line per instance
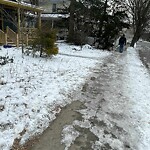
(55, 15)
(53, 6)
(16, 18)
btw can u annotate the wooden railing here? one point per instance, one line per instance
(32, 32)
(25, 36)
(13, 36)
(28, 34)
(2, 37)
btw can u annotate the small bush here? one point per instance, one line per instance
(45, 43)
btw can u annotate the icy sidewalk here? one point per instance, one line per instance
(117, 107)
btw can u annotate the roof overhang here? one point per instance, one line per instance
(54, 16)
(21, 5)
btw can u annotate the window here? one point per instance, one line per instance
(54, 8)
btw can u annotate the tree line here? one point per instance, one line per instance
(104, 19)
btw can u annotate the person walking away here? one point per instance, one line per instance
(122, 42)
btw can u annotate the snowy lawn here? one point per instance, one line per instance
(33, 90)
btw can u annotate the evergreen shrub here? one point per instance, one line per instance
(45, 43)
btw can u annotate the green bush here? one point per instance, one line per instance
(45, 43)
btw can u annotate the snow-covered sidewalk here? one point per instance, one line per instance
(33, 90)
(117, 106)
(137, 90)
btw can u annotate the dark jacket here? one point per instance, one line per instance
(122, 41)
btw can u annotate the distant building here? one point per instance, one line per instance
(51, 6)
(55, 15)
(54, 6)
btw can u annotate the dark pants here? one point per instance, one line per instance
(121, 48)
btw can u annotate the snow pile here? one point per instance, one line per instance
(33, 90)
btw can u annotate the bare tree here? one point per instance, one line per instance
(140, 11)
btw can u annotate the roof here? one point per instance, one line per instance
(21, 5)
(54, 16)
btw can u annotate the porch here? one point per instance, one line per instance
(15, 22)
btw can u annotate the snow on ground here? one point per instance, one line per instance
(130, 96)
(33, 90)
(137, 89)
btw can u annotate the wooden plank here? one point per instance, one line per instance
(22, 6)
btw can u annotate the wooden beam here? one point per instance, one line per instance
(2, 24)
(39, 20)
(19, 20)
(21, 5)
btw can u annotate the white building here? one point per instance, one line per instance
(54, 6)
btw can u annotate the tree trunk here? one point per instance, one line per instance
(102, 23)
(41, 51)
(71, 21)
(135, 38)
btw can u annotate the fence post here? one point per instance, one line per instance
(7, 29)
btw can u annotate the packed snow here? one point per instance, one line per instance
(33, 90)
